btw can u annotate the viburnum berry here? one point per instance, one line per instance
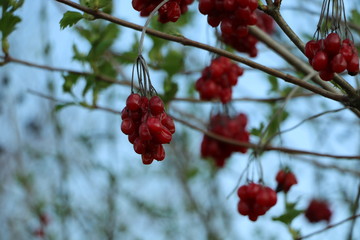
(236, 35)
(229, 127)
(255, 200)
(217, 80)
(147, 126)
(332, 55)
(285, 180)
(317, 211)
(169, 12)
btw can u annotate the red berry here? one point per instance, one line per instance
(326, 75)
(144, 132)
(332, 43)
(156, 105)
(338, 63)
(353, 65)
(163, 136)
(168, 122)
(320, 61)
(133, 102)
(318, 210)
(139, 146)
(154, 125)
(242, 192)
(127, 126)
(147, 158)
(311, 48)
(243, 208)
(205, 6)
(159, 152)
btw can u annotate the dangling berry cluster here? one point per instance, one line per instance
(229, 13)
(247, 43)
(147, 126)
(255, 200)
(169, 12)
(229, 127)
(216, 80)
(332, 55)
(318, 210)
(285, 179)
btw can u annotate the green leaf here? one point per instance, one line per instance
(8, 23)
(59, 107)
(70, 81)
(173, 62)
(288, 217)
(355, 17)
(170, 90)
(69, 19)
(257, 131)
(273, 83)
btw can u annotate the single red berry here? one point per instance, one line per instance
(139, 146)
(205, 6)
(326, 75)
(318, 210)
(311, 48)
(242, 192)
(243, 208)
(338, 63)
(127, 126)
(353, 65)
(156, 105)
(163, 136)
(144, 132)
(168, 122)
(332, 43)
(159, 152)
(133, 102)
(147, 158)
(154, 125)
(320, 61)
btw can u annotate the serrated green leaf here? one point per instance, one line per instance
(69, 19)
(8, 23)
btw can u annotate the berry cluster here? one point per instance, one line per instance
(255, 200)
(217, 80)
(169, 12)
(247, 43)
(317, 211)
(285, 179)
(230, 13)
(147, 126)
(233, 128)
(331, 55)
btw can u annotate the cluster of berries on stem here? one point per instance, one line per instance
(332, 55)
(147, 126)
(255, 200)
(144, 119)
(229, 127)
(217, 80)
(247, 43)
(285, 180)
(169, 12)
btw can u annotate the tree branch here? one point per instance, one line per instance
(187, 42)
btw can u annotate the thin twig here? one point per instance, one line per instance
(216, 136)
(328, 227)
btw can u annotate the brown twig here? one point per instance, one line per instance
(187, 42)
(216, 136)
(328, 227)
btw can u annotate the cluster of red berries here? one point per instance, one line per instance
(255, 200)
(147, 126)
(229, 127)
(331, 55)
(216, 80)
(318, 210)
(229, 13)
(169, 12)
(247, 43)
(285, 179)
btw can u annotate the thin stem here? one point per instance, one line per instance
(328, 227)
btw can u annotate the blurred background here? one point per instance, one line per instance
(68, 172)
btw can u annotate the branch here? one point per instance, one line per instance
(100, 77)
(328, 227)
(213, 135)
(187, 42)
